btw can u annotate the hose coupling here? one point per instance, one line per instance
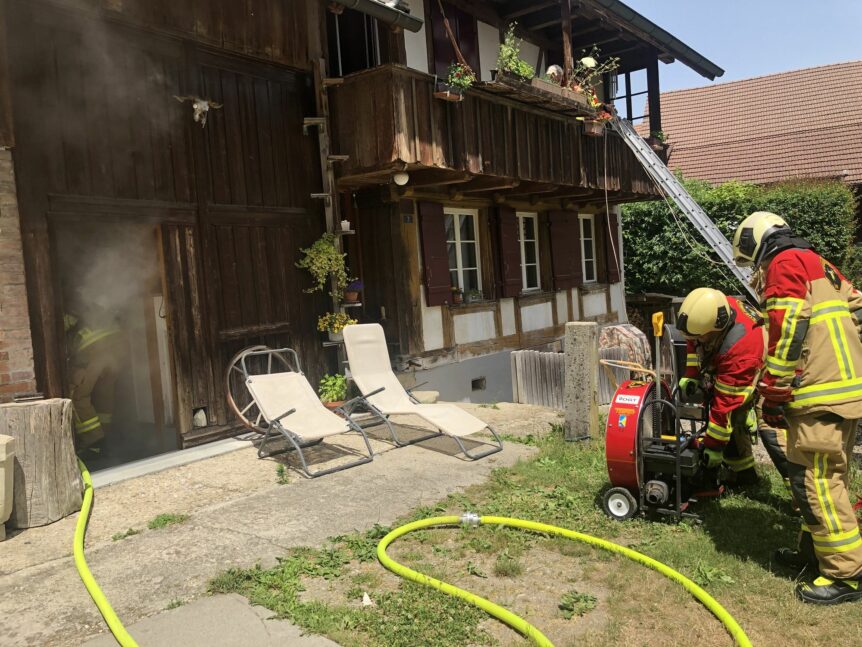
(470, 519)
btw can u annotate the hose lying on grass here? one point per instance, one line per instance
(122, 636)
(516, 622)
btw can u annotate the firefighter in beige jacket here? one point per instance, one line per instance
(812, 385)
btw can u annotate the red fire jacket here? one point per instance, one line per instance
(734, 367)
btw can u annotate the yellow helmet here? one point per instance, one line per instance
(752, 233)
(703, 311)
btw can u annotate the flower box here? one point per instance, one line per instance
(541, 92)
(448, 94)
(594, 127)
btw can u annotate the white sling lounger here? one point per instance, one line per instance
(292, 410)
(385, 396)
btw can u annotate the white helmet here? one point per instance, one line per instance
(752, 233)
(703, 311)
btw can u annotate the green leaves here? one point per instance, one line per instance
(574, 603)
(323, 260)
(509, 58)
(666, 254)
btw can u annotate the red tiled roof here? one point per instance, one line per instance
(800, 124)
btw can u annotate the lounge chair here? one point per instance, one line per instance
(384, 395)
(291, 409)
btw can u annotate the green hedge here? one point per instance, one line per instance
(661, 256)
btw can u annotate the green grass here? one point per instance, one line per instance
(574, 603)
(173, 604)
(729, 554)
(166, 519)
(281, 475)
(122, 535)
(489, 405)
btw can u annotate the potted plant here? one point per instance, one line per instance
(657, 141)
(333, 323)
(324, 261)
(595, 126)
(457, 296)
(351, 292)
(509, 57)
(472, 296)
(460, 78)
(333, 390)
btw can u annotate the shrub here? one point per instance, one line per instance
(666, 254)
(333, 388)
(509, 58)
(323, 260)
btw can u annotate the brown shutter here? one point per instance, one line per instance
(510, 252)
(614, 253)
(465, 30)
(435, 254)
(565, 249)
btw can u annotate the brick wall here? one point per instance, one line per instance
(16, 346)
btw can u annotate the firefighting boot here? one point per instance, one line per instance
(826, 591)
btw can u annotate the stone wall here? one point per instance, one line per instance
(16, 346)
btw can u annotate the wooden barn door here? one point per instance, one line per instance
(255, 173)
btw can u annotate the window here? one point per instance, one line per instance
(529, 240)
(588, 247)
(625, 91)
(462, 240)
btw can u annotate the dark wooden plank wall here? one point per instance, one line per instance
(402, 122)
(276, 30)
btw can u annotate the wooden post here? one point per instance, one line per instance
(47, 484)
(653, 96)
(568, 61)
(7, 136)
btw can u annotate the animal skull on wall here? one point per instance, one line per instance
(200, 108)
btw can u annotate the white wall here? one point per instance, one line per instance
(415, 42)
(537, 317)
(507, 315)
(475, 326)
(530, 53)
(432, 325)
(595, 304)
(489, 47)
(562, 306)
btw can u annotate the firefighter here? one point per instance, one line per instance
(812, 386)
(726, 345)
(94, 355)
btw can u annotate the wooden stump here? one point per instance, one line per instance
(47, 483)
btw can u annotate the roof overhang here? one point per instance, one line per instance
(390, 12)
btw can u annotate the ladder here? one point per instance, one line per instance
(671, 186)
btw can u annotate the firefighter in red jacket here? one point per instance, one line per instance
(812, 385)
(725, 344)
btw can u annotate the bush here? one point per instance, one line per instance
(663, 256)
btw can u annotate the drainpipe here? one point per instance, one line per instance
(386, 12)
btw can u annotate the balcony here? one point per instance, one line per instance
(386, 119)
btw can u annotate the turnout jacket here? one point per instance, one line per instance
(814, 346)
(734, 365)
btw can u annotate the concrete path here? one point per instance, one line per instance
(223, 620)
(44, 603)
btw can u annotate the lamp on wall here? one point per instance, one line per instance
(401, 178)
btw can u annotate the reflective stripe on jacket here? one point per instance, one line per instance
(814, 344)
(89, 336)
(735, 367)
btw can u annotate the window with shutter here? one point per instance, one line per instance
(510, 253)
(435, 257)
(528, 237)
(588, 247)
(565, 237)
(466, 35)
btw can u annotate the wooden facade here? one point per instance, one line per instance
(104, 138)
(406, 128)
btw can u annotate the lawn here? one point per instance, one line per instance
(570, 591)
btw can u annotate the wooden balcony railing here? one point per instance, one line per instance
(387, 118)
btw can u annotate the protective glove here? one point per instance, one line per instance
(712, 458)
(776, 395)
(773, 414)
(688, 387)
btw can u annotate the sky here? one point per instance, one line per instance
(755, 37)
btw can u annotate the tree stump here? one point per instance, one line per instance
(47, 483)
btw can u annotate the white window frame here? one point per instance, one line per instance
(592, 240)
(457, 214)
(522, 216)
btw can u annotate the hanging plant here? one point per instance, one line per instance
(323, 261)
(460, 77)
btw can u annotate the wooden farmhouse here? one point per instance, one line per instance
(163, 162)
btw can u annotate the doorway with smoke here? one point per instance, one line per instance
(117, 368)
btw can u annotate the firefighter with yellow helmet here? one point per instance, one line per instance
(94, 349)
(812, 385)
(726, 341)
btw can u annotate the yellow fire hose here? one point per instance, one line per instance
(114, 624)
(516, 622)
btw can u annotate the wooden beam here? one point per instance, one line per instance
(7, 135)
(436, 177)
(488, 183)
(653, 96)
(568, 62)
(531, 188)
(532, 8)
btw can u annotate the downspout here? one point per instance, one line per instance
(384, 13)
